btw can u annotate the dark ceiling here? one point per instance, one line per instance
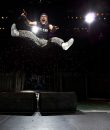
(75, 5)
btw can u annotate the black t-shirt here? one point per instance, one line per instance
(43, 31)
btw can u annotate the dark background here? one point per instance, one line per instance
(84, 68)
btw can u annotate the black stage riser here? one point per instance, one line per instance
(18, 102)
(57, 102)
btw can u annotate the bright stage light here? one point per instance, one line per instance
(35, 29)
(90, 17)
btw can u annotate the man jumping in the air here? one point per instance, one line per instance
(41, 32)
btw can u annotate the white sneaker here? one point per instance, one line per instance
(66, 45)
(14, 31)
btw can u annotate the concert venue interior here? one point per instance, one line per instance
(49, 88)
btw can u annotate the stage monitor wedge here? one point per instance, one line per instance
(57, 102)
(18, 102)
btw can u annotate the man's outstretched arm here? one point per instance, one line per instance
(27, 21)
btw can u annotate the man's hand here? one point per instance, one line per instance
(56, 27)
(24, 13)
(53, 28)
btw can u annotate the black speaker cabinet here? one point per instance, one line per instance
(57, 102)
(18, 102)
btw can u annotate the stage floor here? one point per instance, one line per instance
(86, 118)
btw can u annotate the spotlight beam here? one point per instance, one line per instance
(90, 17)
(35, 29)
